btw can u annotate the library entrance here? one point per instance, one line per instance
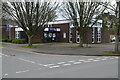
(52, 34)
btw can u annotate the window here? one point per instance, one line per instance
(50, 35)
(93, 34)
(70, 39)
(78, 39)
(45, 35)
(99, 35)
(64, 35)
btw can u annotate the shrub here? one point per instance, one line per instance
(9, 40)
(4, 40)
(19, 41)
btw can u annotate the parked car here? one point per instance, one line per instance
(113, 40)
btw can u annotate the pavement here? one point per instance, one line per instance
(66, 49)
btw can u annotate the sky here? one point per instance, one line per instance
(60, 17)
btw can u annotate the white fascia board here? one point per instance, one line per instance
(59, 22)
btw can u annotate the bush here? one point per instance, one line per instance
(6, 40)
(9, 40)
(19, 41)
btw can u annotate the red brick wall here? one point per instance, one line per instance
(38, 37)
(73, 35)
(4, 33)
(105, 36)
(88, 36)
(64, 29)
(12, 33)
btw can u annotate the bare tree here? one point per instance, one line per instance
(30, 16)
(83, 15)
(116, 9)
(117, 27)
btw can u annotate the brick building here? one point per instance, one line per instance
(64, 31)
(7, 32)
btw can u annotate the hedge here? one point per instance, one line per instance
(5, 40)
(19, 41)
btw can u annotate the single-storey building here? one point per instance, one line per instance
(64, 31)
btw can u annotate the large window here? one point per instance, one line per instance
(93, 35)
(99, 35)
(77, 37)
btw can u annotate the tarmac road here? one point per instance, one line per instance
(25, 64)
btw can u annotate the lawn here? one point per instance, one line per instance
(114, 52)
(30, 46)
(3, 44)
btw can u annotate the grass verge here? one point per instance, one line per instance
(83, 47)
(3, 44)
(30, 46)
(117, 52)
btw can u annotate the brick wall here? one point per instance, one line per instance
(64, 29)
(4, 33)
(12, 33)
(38, 37)
(87, 38)
(105, 36)
(73, 35)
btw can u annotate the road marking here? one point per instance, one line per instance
(103, 59)
(66, 64)
(26, 60)
(54, 66)
(5, 74)
(87, 56)
(99, 58)
(40, 64)
(45, 65)
(71, 61)
(117, 57)
(22, 71)
(48, 65)
(81, 60)
(4, 55)
(96, 60)
(86, 61)
(77, 62)
(61, 63)
(51, 64)
(90, 59)
(111, 58)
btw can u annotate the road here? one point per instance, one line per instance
(25, 64)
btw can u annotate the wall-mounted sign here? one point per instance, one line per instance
(52, 29)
